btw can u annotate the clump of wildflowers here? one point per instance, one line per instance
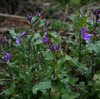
(44, 38)
(54, 48)
(85, 34)
(7, 56)
(17, 39)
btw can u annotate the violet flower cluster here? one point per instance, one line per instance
(29, 17)
(54, 48)
(96, 13)
(17, 39)
(7, 56)
(85, 34)
(44, 38)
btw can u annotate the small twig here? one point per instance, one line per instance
(12, 16)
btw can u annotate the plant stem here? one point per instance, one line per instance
(80, 47)
(29, 49)
(93, 57)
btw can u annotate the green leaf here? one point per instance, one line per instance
(74, 19)
(15, 68)
(4, 73)
(33, 19)
(42, 23)
(71, 96)
(48, 55)
(44, 96)
(95, 46)
(58, 38)
(96, 78)
(82, 85)
(7, 91)
(53, 34)
(82, 20)
(80, 67)
(73, 80)
(12, 32)
(38, 41)
(60, 62)
(90, 23)
(28, 36)
(37, 35)
(42, 86)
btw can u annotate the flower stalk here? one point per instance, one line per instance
(96, 14)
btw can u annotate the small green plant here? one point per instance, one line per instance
(35, 65)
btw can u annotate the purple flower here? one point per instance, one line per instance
(38, 14)
(57, 47)
(17, 39)
(82, 30)
(99, 20)
(54, 48)
(97, 53)
(3, 39)
(44, 38)
(96, 13)
(7, 56)
(23, 33)
(35, 20)
(85, 34)
(45, 34)
(29, 17)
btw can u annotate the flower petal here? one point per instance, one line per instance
(17, 41)
(14, 37)
(22, 34)
(44, 39)
(82, 30)
(45, 34)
